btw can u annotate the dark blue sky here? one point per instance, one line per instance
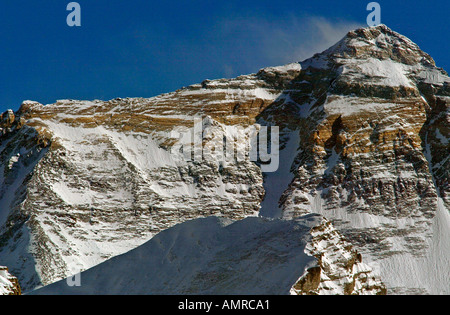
(144, 48)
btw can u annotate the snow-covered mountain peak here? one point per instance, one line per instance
(378, 42)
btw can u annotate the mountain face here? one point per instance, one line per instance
(363, 141)
(374, 156)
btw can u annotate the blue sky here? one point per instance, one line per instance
(141, 48)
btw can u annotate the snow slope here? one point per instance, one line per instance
(277, 182)
(217, 256)
(204, 256)
(429, 271)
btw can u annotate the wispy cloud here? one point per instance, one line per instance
(229, 46)
(274, 42)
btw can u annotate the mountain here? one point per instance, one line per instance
(373, 155)
(218, 256)
(363, 141)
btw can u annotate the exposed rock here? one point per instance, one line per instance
(9, 285)
(339, 269)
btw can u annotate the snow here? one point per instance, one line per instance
(205, 256)
(348, 106)
(103, 155)
(200, 249)
(277, 182)
(316, 62)
(12, 160)
(5, 283)
(402, 272)
(235, 93)
(14, 174)
(388, 72)
(430, 272)
(442, 139)
(285, 68)
(433, 76)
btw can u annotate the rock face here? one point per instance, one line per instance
(364, 131)
(9, 285)
(339, 269)
(218, 256)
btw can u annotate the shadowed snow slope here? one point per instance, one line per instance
(218, 256)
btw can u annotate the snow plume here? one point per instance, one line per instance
(281, 41)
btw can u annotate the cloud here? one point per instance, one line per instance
(228, 47)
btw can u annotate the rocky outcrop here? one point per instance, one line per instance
(9, 285)
(339, 270)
